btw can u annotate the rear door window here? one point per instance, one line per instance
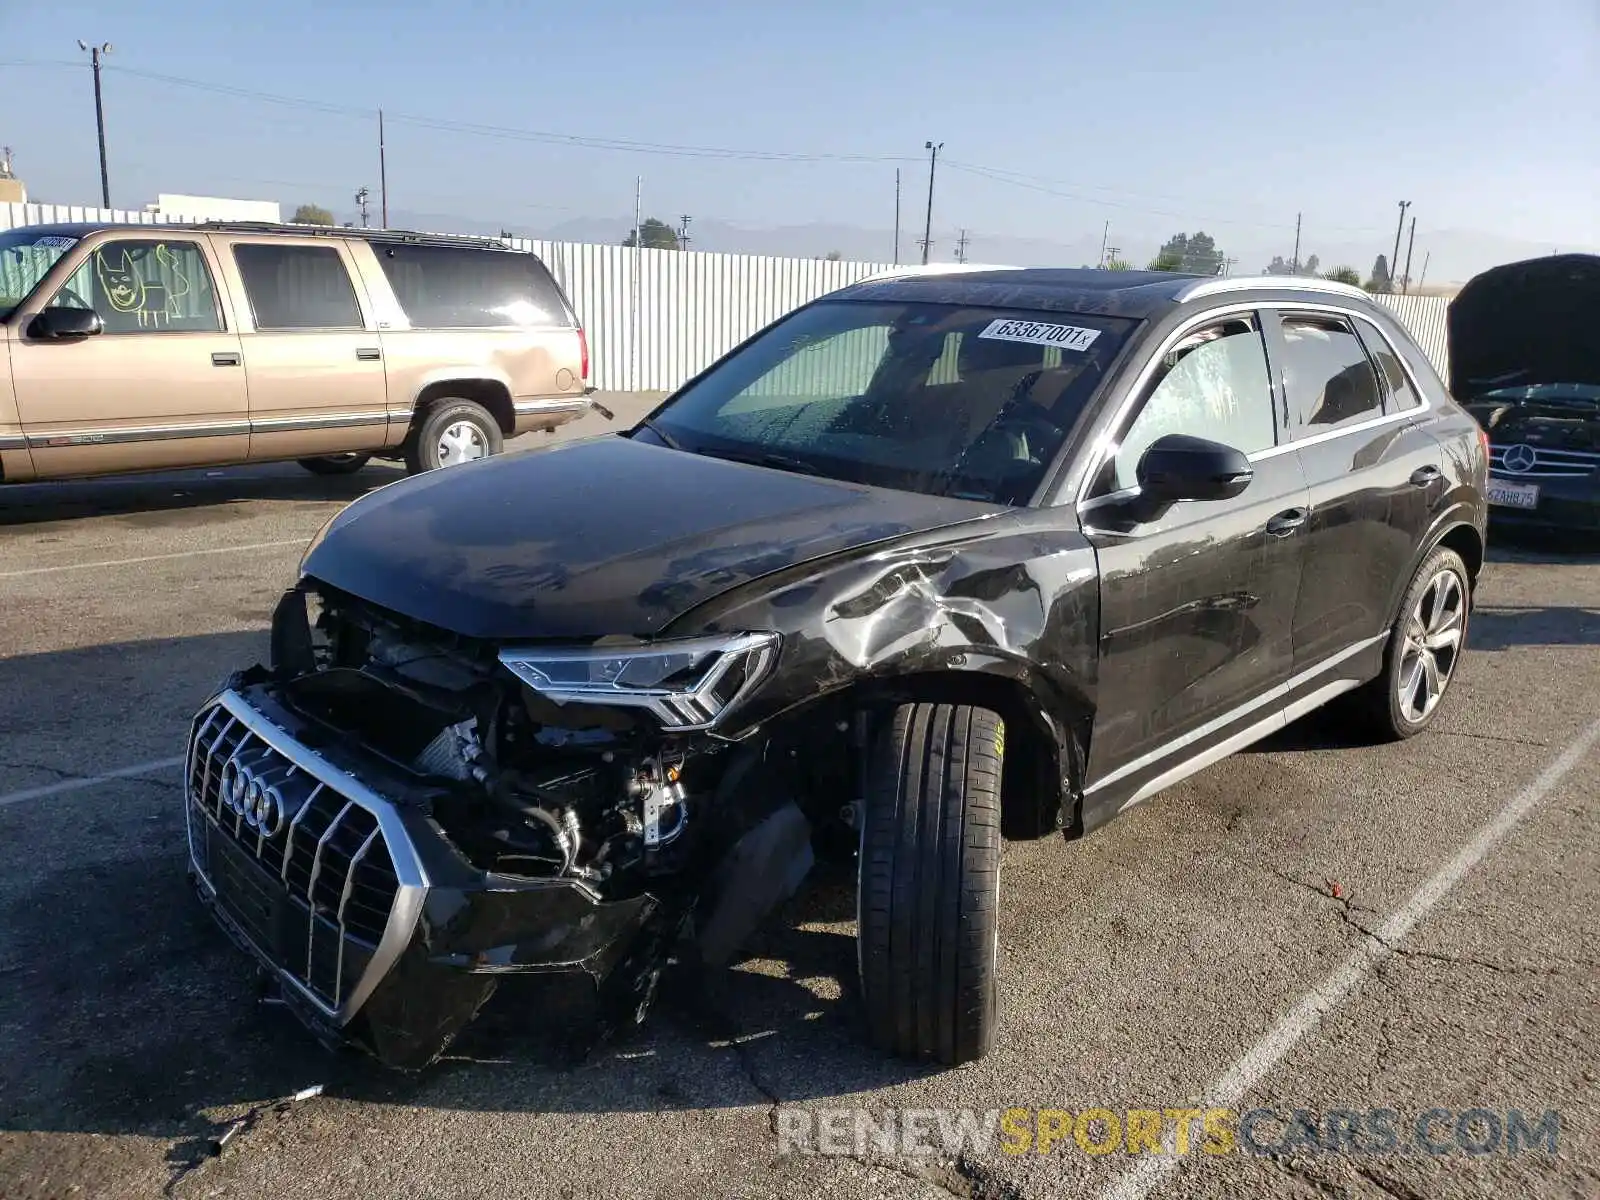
(297, 287)
(1329, 378)
(450, 287)
(1400, 395)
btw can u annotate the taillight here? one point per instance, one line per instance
(583, 354)
(1483, 434)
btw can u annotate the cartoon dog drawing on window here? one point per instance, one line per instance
(153, 301)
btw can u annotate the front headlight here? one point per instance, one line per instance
(686, 683)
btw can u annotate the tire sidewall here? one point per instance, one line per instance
(423, 453)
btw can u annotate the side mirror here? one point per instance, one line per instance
(1180, 467)
(60, 324)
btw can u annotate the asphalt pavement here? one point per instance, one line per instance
(1316, 926)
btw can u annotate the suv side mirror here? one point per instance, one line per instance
(59, 324)
(1180, 467)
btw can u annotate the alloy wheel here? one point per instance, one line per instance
(1433, 633)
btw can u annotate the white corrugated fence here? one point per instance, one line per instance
(657, 317)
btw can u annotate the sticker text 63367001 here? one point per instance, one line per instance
(1041, 333)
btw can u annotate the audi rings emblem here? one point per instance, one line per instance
(260, 805)
(1519, 459)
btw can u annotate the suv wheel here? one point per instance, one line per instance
(1424, 649)
(928, 891)
(453, 431)
(336, 464)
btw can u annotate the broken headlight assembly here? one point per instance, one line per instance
(686, 683)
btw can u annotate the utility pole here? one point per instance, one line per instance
(927, 225)
(897, 216)
(1422, 282)
(683, 231)
(1398, 229)
(633, 292)
(94, 53)
(1110, 253)
(1411, 244)
(361, 203)
(1294, 266)
(383, 175)
(1105, 232)
(961, 247)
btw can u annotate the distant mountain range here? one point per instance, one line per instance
(1456, 254)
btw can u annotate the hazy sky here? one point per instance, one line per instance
(1156, 115)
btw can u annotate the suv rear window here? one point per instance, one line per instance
(934, 398)
(449, 287)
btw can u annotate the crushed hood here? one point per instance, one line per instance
(599, 537)
(1525, 324)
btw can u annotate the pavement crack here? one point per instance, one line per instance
(1492, 737)
(1456, 960)
(1313, 1179)
(963, 1178)
(1388, 1184)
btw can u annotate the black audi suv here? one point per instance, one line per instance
(1525, 361)
(930, 559)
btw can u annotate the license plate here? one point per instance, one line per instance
(1513, 495)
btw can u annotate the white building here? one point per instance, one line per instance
(214, 208)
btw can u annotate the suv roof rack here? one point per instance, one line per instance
(406, 236)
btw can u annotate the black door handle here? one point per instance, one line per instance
(225, 359)
(368, 353)
(1423, 476)
(1286, 522)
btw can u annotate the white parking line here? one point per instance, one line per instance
(126, 562)
(73, 785)
(1294, 1025)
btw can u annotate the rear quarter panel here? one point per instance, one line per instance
(532, 363)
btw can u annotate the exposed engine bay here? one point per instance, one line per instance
(646, 835)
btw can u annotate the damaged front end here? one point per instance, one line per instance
(395, 819)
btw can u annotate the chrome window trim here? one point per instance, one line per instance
(1109, 443)
(1189, 766)
(411, 876)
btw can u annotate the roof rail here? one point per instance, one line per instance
(1241, 283)
(371, 235)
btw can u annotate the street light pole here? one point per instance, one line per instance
(94, 53)
(927, 227)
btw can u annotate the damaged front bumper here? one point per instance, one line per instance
(322, 862)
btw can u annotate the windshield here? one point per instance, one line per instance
(1546, 391)
(26, 257)
(965, 402)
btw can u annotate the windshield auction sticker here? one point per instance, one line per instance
(1039, 333)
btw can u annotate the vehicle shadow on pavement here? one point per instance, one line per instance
(156, 501)
(125, 1011)
(1543, 546)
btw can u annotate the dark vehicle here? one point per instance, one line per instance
(927, 560)
(1525, 361)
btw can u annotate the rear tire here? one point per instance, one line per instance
(1424, 650)
(451, 432)
(336, 464)
(928, 893)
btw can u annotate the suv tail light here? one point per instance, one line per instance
(583, 354)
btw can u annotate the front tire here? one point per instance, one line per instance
(928, 895)
(453, 431)
(1424, 650)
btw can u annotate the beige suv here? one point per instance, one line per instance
(147, 347)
